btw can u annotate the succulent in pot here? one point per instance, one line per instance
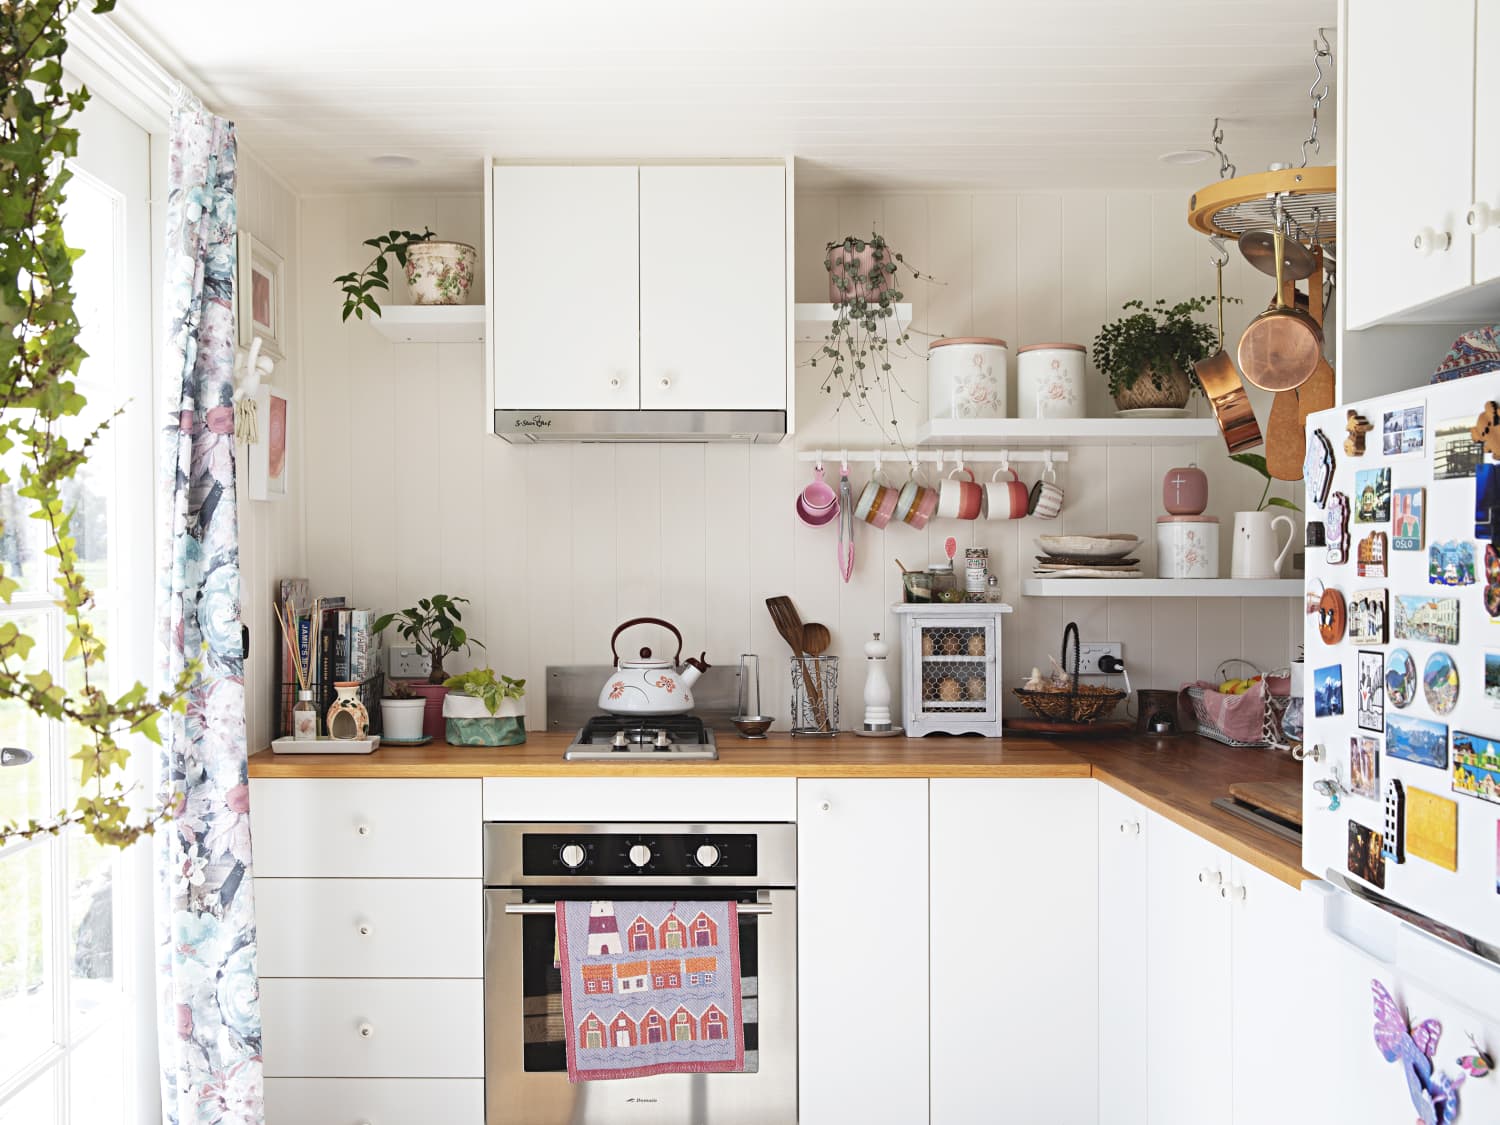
(1148, 355)
(402, 711)
(483, 709)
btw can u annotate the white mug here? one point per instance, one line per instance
(959, 497)
(1006, 499)
(1255, 545)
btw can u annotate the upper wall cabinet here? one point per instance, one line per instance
(1484, 217)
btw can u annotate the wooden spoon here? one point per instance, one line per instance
(789, 624)
(816, 639)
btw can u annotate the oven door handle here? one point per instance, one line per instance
(551, 908)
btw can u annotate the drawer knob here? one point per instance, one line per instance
(1427, 240)
(1234, 892)
(826, 806)
(665, 382)
(614, 381)
(1481, 217)
(363, 829)
(1130, 827)
(366, 1030)
(1210, 878)
(365, 929)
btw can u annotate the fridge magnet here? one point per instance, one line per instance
(1401, 677)
(1364, 766)
(1451, 563)
(1476, 766)
(1336, 528)
(1408, 517)
(1479, 1064)
(1486, 429)
(1367, 617)
(1370, 558)
(1332, 616)
(1486, 501)
(1440, 683)
(1433, 1094)
(1328, 691)
(1432, 828)
(1317, 534)
(1356, 425)
(1401, 431)
(1370, 696)
(1372, 496)
(1491, 580)
(1331, 787)
(1364, 860)
(1395, 821)
(1434, 620)
(1317, 468)
(1455, 454)
(1492, 678)
(1417, 740)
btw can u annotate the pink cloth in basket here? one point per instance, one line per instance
(1240, 717)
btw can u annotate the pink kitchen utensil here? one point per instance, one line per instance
(846, 524)
(818, 503)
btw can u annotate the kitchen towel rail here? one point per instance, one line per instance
(936, 456)
(551, 908)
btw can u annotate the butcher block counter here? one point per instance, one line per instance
(1176, 777)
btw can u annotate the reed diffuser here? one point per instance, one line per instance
(304, 711)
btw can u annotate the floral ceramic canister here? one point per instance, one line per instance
(440, 273)
(1187, 546)
(1049, 381)
(966, 377)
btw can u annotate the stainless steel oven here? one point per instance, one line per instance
(529, 867)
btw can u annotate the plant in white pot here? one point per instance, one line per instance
(437, 272)
(401, 712)
(482, 709)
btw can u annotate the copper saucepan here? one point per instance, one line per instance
(1222, 386)
(1281, 348)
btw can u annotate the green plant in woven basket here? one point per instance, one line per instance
(1155, 341)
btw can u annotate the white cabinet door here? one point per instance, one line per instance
(1123, 910)
(564, 283)
(374, 1101)
(1187, 967)
(1487, 141)
(1014, 937)
(862, 951)
(713, 288)
(1409, 145)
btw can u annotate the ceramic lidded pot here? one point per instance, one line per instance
(1184, 492)
(440, 273)
(1187, 546)
(1049, 381)
(966, 377)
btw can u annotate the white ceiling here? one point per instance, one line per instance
(1010, 94)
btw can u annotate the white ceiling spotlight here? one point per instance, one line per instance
(394, 160)
(1186, 155)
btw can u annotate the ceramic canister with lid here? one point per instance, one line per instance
(1187, 546)
(966, 377)
(1049, 381)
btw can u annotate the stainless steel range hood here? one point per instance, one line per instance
(764, 426)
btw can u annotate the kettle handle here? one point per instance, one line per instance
(676, 660)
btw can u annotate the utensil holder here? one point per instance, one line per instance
(815, 712)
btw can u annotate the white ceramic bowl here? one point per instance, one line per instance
(1089, 546)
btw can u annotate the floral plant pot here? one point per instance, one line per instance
(492, 730)
(844, 265)
(440, 273)
(1144, 394)
(401, 719)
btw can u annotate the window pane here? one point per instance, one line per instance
(35, 1105)
(26, 980)
(97, 1078)
(92, 871)
(22, 539)
(92, 221)
(24, 789)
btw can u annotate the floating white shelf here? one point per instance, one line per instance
(813, 319)
(430, 324)
(967, 432)
(1162, 588)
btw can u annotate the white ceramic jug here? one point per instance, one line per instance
(1255, 545)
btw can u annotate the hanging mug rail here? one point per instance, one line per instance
(936, 456)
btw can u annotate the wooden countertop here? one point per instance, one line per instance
(1175, 777)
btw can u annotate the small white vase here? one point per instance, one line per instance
(1255, 553)
(401, 719)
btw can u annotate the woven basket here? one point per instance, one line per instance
(1090, 703)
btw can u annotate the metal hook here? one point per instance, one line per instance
(1218, 243)
(844, 462)
(1226, 168)
(1317, 91)
(819, 464)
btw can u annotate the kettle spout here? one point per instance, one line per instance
(693, 667)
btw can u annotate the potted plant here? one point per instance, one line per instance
(1148, 355)
(437, 272)
(483, 710)
(1255, 554)
(435, 626)
(401, 712)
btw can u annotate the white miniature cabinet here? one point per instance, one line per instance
(950, 667)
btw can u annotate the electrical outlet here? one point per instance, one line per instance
(409, 663)
(1089, 653)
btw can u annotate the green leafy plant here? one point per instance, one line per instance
(482, 684)
(359, 288)
(1258, 463)
(39, 410)
(1157, 339)
(399, 689)
(434, 626)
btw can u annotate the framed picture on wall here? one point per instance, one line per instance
(269, 457)
(260, 296)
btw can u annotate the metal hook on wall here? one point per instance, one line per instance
(1223, 257)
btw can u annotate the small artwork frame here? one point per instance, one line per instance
(1372, 496)
(1368, 616)
(1328, 691)
(260, 296)
(1370, 557)
(1451, 563)
(1364, 766)
(1369, 710)
(1408, 518)
(1422, 741)
(1403, 431)
(1476, 766)
(1455, 453)
(1423, 618)
(1366, 859)
(270, 456)
(1492, 678)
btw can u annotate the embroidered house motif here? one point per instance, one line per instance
(622, 1031)
(591, 1031)
(604, 931)
(641, 936)
(673, 933)
(632, 976)
(653, 1027)
(705, 931)
(598, 978)
(684, 1026)
(711, 1026)
(702, 970)
(666, 974)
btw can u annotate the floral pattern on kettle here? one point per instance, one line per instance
(668, 683)
(976, 391)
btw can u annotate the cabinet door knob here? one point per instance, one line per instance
(614, 381)
(365, 929)
(1234, 892)
(1130, 827)
(1480, 218)
(363, 829)
(826, 806)
(1427, 240)
(665, 382)
(366, 1030)
(1210, 878)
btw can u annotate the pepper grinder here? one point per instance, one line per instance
(877, 722)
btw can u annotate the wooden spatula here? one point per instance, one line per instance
(788, 623)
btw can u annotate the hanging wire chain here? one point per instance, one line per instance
(1226, 168)
(1317, 91)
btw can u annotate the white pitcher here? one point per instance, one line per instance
(1255, 545)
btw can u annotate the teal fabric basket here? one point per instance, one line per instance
(509, 730)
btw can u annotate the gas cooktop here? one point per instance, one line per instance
(659, 738)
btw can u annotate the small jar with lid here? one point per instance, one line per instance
(966, 377)
(1049, 381)
(944, 583)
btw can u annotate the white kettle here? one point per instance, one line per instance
(651, 687)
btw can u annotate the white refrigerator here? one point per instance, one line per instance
(1401, 790)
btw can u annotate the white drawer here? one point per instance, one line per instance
(616, 799)
(369, 927)
(372, 1028)
(377, 1101)
(399, 827)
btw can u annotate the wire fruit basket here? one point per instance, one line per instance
(1079, 703)
(1272, 708)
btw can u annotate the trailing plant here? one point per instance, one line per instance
(482, 684)
(434, 626)
(1258, 463)
(359, 288)
(41, 439)
(1156, 339)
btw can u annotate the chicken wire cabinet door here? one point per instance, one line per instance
(950, 665)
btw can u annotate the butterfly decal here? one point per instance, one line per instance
(1478, 1064)
(1433, 1093)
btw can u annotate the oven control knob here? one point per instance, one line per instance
(640, 855)
(572, 855)
(707, 855)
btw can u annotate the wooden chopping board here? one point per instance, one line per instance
(1279, 798)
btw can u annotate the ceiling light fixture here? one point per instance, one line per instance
(394, 160)
(1185, 156)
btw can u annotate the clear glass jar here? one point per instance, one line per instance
(304, 718)
(944, 584)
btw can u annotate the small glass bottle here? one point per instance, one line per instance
(304, 718)
(944, 583)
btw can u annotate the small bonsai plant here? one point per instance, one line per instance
(434, 626)
(359, 288)
(1258, 463)
(484, 686)
(1157, 342)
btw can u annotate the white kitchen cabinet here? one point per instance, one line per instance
(1014, 937)
(713, 287)
(374, 1101)
(1123, 911)
(862, 949)
(1485, 223)
(563, 281)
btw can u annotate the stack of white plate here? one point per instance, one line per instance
(1087, 556)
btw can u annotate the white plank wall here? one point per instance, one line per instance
(406, 495)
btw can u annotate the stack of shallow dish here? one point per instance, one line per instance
(1087, 556)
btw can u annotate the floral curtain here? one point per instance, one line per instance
(209, 1018)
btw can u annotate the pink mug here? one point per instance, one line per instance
(960, 499)
(1006, 499)
(876, 502)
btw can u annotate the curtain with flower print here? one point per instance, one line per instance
(209, 1018)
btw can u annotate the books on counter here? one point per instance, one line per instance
(335, 641)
